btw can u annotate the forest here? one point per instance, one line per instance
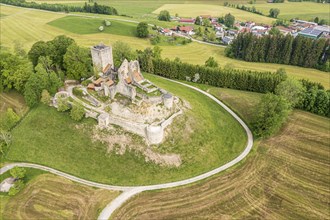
(298, 51)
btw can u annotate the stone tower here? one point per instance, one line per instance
(102, 57)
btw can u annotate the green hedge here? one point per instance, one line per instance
(229, 78)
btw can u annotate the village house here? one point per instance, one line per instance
(227, 40)
(166, 32)
(187, 30)
(284, 30)
(315, 32)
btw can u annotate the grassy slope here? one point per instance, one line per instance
(57, 141)
(301, 10)
(80, 25)
(287, 176)
(193, 10)
(20, 25)
(53, 197)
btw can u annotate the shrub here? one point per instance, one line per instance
(18, 172)
(292, 90)
(107, 23)
(142, 30)
(164, 16)
(272, 111)
(9, 120)
(77, 112)
(16, 188)
(45, 97)
(62, 104)
(101, 28)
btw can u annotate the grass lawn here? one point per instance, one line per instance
(52, 197)
(193, 10)
(286, 176)
(57, 143)
(79, 25)
(301, 10)
(21, 25)
(12, 100)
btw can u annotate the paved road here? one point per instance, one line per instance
(129, 191)
(115, 19)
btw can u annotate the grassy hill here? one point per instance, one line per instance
(287, 176)
(60, 144)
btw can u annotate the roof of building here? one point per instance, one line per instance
(98, 81)
(100, 46)
(109, 82)
(107, 68)
(285, 29)
(91, 86)
(137, 76)
(166, 30)
(167, 96)
(128, 80)
(311, 32)
(186, 28)
(187, 20)
(324, 28)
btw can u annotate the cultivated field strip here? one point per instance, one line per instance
(288, 177)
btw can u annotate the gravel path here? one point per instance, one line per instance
(130, 191)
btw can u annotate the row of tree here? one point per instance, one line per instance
(95, 8)
(244, 8)
(229, 78)
(300, 51)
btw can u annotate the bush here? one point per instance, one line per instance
(142, 30)
(18, 172)
(272, 112)
(45, 97)
(62, 104)
(164, 16)
(101, 28)
(107, 23)
(77, 112)
(292, 90)
(16, 188)
(9, 120)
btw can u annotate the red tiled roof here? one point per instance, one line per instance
(186, 29)
(187, 20)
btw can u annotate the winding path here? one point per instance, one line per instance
(130, 191)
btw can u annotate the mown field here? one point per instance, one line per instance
(193, 10)
(28, 26)
(285, 177)
(301, 10)
(58, 143)
(51, 197)
(80, 25)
